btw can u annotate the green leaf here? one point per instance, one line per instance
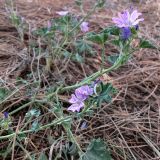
(78, 2)
(146, 44)
(78, 58)
(22, 137)
(101, 3)
(33, 112)
(107, 90)
(42, 156)
(82, 46)
(41, 31)
(100, 38)
(67, 54)
(33, 156)
(96, 151)
(113, 58)
(112, 30)
(116, 42)
(71, 148)
(35, 126)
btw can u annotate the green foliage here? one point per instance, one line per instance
(67, 54)
(5, 122)
(33, 113)
(79, 2)
(99, 38)
(105, 95)
(82, 46)
(15, 19)
(96, 151)
(101, 3)
(116, 42)
(42, 156)
(71, 148)
(146, 44)
(78, 58)
(112, 31)
(113, 58)
(22, 137)
(35, 126)
(41, 32)
(65, 23)
(3, 93)
(30, 115)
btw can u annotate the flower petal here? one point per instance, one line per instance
(134, 15)
(125, 33)
(62, 13)
(73, 99)
(118, 22)
(76, 107)
(83, 92)
(84, 27)
(137, 21)
(125, 19)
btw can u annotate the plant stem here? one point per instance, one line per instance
(41, 128)
(103, 56)
(23, 106)
(94, 76)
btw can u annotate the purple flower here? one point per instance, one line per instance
(5, 115)
(77, 99)
(83, 92)
(76, 106)
(84, 27)
(127, 19)
(62, 13)
(125, 33)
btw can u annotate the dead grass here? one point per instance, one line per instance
(130, 124)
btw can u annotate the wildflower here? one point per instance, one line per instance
(125, 33)
(83, 92)
(5, 115)
(127, 19)
(77, 99)
(77, 103)
(76, 106)
(84, 27)
(62, 13)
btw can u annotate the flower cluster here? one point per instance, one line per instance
(77, 99)
(126, 21)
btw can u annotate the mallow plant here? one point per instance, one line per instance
(69, 36)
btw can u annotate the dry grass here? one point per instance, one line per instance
(130, 124)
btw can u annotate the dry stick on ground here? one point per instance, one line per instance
(148, 141)
(123, 139)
